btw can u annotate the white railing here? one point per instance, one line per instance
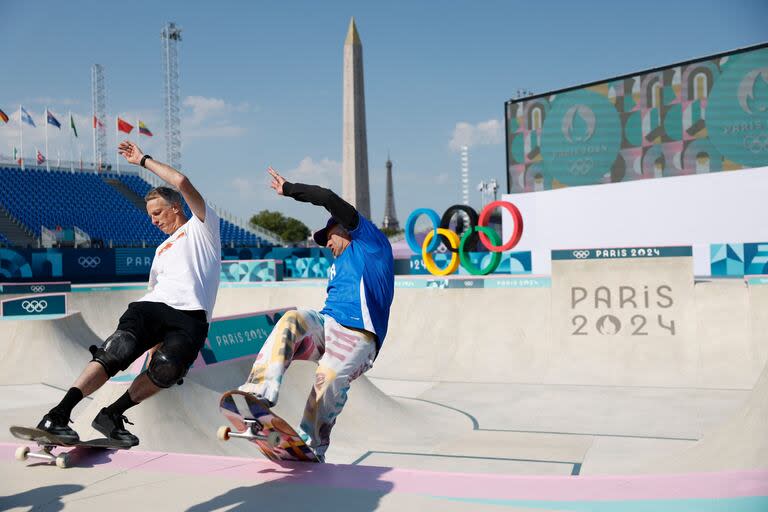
(266, 234)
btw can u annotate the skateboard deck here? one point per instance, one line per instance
(254, 421)
(48, 442)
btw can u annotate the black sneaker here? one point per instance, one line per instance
(112, 426)
(58, 425)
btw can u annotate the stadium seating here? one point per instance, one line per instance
(231, 234)
(60, 198)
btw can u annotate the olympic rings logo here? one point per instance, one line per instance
(89, 261)
(34, 306)
(757, 143)
(582, 166)
(37, 288)
(460, 247)
(581, 255)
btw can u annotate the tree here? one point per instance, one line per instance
(388, 232)
(289, 229)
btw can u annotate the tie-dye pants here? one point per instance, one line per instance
(342, 355)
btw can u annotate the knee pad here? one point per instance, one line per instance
(117, 352)
(165, 371)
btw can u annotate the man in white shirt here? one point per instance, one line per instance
(171, 319)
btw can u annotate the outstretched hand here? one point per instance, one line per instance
(277, 181)
(130, 151)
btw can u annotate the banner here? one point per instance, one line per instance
(14, 288)
(702, 116)
(251, 271)
(239, 336)
(35, 305)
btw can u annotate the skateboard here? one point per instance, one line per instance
(255, 422)
(48, 442)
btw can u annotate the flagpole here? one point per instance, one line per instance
(71, 153)
(21, 136)
(93, 123)
(117, 136)
(47, 165)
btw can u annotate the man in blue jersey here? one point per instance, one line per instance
(347, 334)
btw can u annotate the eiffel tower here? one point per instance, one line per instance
(390, 217)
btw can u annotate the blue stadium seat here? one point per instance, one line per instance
(39, 198)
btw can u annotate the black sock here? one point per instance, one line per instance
(122, 404)
(70, 400)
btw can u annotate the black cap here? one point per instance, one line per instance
(321, 236)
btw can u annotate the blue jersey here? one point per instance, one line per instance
(361, 282)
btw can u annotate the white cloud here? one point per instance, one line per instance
(325, 172)
(485, 133)
(211, 117)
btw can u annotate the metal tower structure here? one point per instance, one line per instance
(390, 217)
(99, 109)
(465, 175)
(170, 36)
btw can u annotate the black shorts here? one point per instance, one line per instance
(181, 333)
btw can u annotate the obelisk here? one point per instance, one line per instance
(355, 146)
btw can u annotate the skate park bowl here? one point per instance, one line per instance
(613, 384)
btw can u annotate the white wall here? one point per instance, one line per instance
(696, 210)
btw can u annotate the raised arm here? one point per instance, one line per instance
(168, 174)
(339, 209)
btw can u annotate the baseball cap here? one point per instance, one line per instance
(321, 236)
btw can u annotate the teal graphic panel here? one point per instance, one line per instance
(251, 271)
(710, 115)
(35, 305)
(235, 337)
(13, 288)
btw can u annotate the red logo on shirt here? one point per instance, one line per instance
(170, 243)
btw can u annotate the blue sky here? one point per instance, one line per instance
(261, 81)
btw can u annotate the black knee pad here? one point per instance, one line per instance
(117, 352)
(165, 371)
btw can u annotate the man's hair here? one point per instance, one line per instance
(170, 195)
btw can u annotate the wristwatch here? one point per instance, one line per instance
(144, 159)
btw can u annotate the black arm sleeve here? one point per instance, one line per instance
(339, 209)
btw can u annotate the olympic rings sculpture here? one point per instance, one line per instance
(34, 306)
(460, 247)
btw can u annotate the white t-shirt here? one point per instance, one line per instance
(186, 270)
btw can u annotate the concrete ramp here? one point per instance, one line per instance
(184, 418)
(740, 443)
(53, 351)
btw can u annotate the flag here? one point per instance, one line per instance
(124, 126)
(26, 117)
(97, 123)
(144, 130)
(72, 124)
(40, 157)
(3, 116)
(52, 120)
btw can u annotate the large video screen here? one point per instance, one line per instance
(708, 115)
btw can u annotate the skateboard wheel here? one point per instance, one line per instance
(273, 439)
(22, 453)
(223, 433)
(62, 460)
